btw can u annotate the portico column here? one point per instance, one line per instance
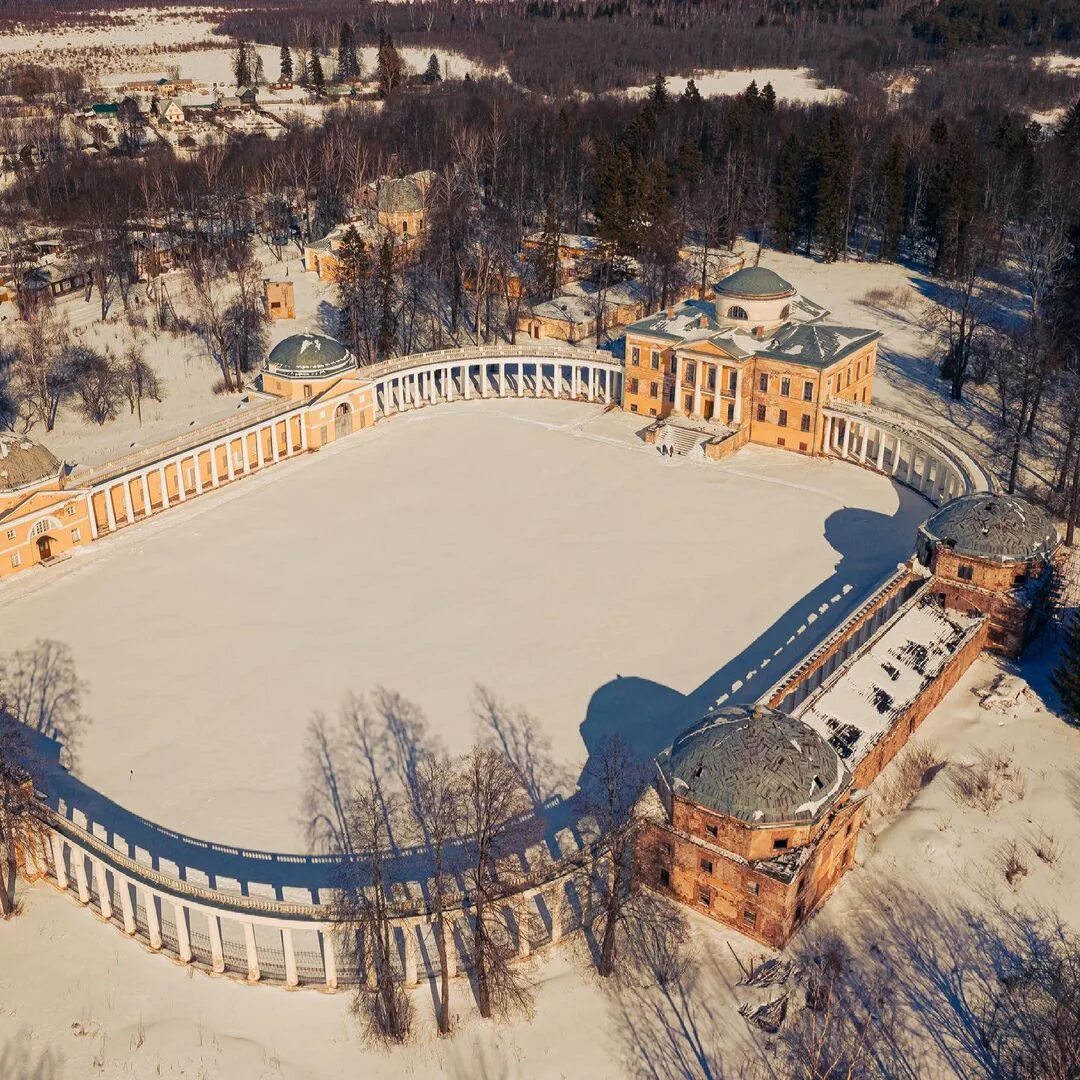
(897, 445)
(556, 378)
(153, 923)
(183, 938)
(864, 436)
(483, 368)
(697, 388)
(538, 378)
(847, 438)
(448, 383)
(104, 899)
(129, 511)
(466, 381)
(502, 378)
(127, 908)
(881, 450)
(575, 381)
(58, 861)
(329, 960)
(607, 386)
(145, 486)
(520, 378)
(110, 513)
(303, 429)
(288, 437)
(230, 465)
(245, 453)
(913, 452)
(259, 447)
(79, 859)
(217, 954)
(197, 467)
(432, 389)
(275, 454)
(252, 953)
(91, 515)
(215, 479)
(291, 977)
(677, 404)
(737, 414)
(592, 383)
(826, 433)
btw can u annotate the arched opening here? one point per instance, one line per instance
(342, 420)
(39, 533)
(44, 546)
(736, 312)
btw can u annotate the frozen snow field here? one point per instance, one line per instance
(538, 548)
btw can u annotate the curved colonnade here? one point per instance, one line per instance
(267, 939)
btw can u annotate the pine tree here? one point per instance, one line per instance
(285, 77)
(353, 290)
(833, 164)
(318, 79)
(1069, 130)
(545, 257)
(1065, 678)
(389, 67)
(659, 95)
(768, 98)
(751, 93)
(787, 194)
(433, 74)
(895, 169)
(691, 96)
(387, 292)
(241, 65)
(348, 65)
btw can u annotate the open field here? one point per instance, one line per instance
(596, 585)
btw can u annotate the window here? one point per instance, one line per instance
(76, 536)
(71, 510)
(749, 916)
(16, 559)
(782, 421)
(671, 395)
(674, 365)
(781, 442)
(804, 423)
(802, 447)
(689, 372)
(11, 534)
(753, 888)
(761, 413)
(736, 312)
(763, 383)
(666, 849)
(704, 898)
(655, 358)
(1020, 579)
(665, 878)
(712, 830)
(848, 377)
(733, 382)
(40, 528)
(633, 408)
(307, 389)
(964, 572)
(780, 843)
(654, 390)
(706, 865)
(633, 386)
(858, 370)
(688, 403)
(635, 355)
(808, 390)
(730, 414)
(710, 379)
(785, 387)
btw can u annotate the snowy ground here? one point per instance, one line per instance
(567, 568)
(790, 84)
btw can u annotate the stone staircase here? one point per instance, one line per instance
(682, 440)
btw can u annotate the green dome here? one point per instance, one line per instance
(755, 283)
(309, 356)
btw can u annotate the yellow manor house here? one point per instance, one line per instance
(754, 364)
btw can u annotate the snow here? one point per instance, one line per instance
(790, 84)
(510, 544)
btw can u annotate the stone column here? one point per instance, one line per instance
(697, 387)
(183, 938)
(197, 471)
(607, 386)
(864, 440)
(592, 383)
(575, 381)
(91, 515)
(539, 379)
(556, 378)
(520, 378)
(448, 383)
(153, 923)
(466, 382)
(502, 378)
(217, 953)
(303, 430)
(245, 453)
(291, 977)
(897, 446)
(129, 509)
(181, 483)
(826, 433)
(252, 953)
(58, 861)
(259, 447)
(433, 396)
(329, 960)
(680, 370)
(104, 899)
(215, 477)
(79, 860)
(145, 484)
(275, 454)
(482, 368)
(110, 514)
(230, 465)
(127, 908)
(847, 438)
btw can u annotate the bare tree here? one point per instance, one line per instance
(18, 826)
(95, 380)
(327, 783)
(38, 366)
(139, 380)
(494, 816)
(612, 786)
(362, 909)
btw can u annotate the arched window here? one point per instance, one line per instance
(736, 312)
(43, 526)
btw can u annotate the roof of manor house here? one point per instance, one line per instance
(1003, 528)
(817, 344)
(309, 356)
(755, 283)
(23, 462)
(756, 764)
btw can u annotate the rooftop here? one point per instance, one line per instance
(309, 356)
(1004, 528)
(756, 764)
(817, 344)
(23, 462)
(755, 283)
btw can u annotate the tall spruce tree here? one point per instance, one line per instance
(895, 184)
(318, 79)
(833, 164)
(388, 66)
(387, 299)
(787, 195)
(241, 65)
(348, 64)
(659, 94)
(544, 259)
(768, 98)
(432, 73)
(285, 75)
(1065, 678)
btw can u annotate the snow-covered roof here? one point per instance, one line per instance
(1004, 528)
(872, 690)
(816, 343)
(309, 356)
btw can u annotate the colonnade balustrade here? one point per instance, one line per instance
(903, 449)
(259, 939)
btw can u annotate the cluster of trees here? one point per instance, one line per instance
(380, 782)
(42, 367)
(389, 66)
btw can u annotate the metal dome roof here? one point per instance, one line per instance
(755, 283)
(306, 356)
(1004, 528)
(23, 462)
(756, 764)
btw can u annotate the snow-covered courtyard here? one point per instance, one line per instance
(536, 548)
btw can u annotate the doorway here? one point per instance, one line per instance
(44, 546)
(342, 421)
